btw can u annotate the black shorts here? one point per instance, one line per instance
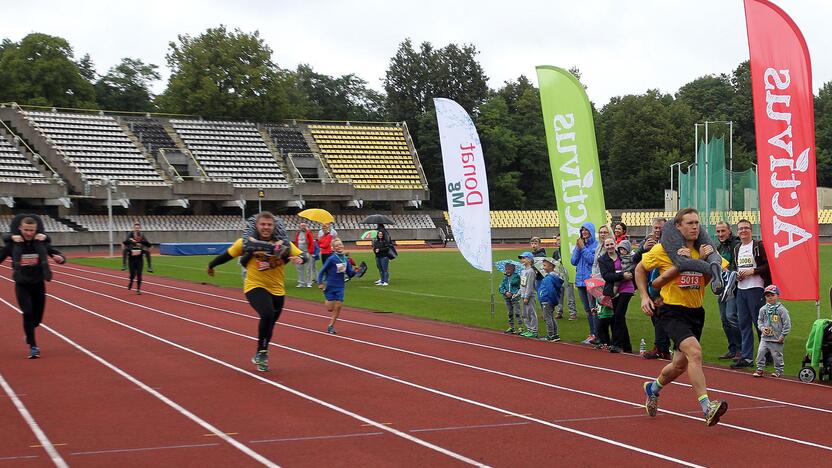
(681, 322)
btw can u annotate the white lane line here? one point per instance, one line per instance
(327, 437)
(360, 369)
(467, 343)
(503, 374)
(262, 379)
(23, 457)
(239, 446)
(33, 425)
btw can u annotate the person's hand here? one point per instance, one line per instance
(322, 286)
(17, 238)
(525, 300)
(508, 294)
(628, 275)
(743, 273)
(580, 243)
(781, 340)
(649, 244)
(705, 250)
(296, 260)
(40, 237)
(59, 259)
(683, 252)
(647, 306)
(210, 271)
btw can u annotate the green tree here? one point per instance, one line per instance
(126, 86)
(87, 68)
(414, 78)
(39, 70)
(344, 98)
(823, 134)
(225, 74)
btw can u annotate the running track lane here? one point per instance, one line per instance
(544, 344)
(397, 393)
(234, 405)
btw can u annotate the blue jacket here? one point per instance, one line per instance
(583, 258)
(549, 290)
(510, 284)
(329, 272)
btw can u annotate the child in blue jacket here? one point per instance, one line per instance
(510, 290)
(331, 280)
(548, 293)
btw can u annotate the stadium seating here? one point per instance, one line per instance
(525, 219)
(372, 157)
(17, 168)
(288, 139)
(151, 134)
(96, 146)
(49, 224)
(232, 151)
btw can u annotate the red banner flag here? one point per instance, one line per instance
(781, 80)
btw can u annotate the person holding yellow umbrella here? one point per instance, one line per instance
(325, 235)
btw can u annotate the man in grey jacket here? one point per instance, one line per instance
(774, 324)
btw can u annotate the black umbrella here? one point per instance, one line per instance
(377, 219)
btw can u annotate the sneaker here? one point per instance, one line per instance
(308, 285)
(716, 409)
(34, 352)
(757, 373)
(509, 330)
(742, 363)
(377, 282)
(572, 318)
(139, 292)
(150, 270)
(529, 334)
(601, 346)
(655, 353)
(559, 315)
(652, 403)
(331, 330)
(123, 268)
(729, 278)
(728, 357)
(385, 284)
(300, 285)
(776, 375)
(614, 349)
(589, 339)
(553, 339)
(261, 359)
(717, 283)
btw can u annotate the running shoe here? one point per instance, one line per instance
(554, 338)
(377, 282)
(730, 280)
(150, 270)
(652, 403)
(777, 375)
(757, 373)
(717, 284)
(529, 334)
(139, 292)
(509, 330)
(589, 339)
(331, 330)
(716, 409)
(34, 352)
(261, 359)
(741, 363)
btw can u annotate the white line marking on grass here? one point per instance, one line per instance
(359, 369)
(692, 416)
(251, 453)
(30, 421)
(468, 343)
(250, 374)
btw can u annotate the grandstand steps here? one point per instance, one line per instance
(152, 160)
(73, 225)
(36, 140)
(21, 148)
(313, 145)
(278, 155)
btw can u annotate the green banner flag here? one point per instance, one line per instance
(573, 156)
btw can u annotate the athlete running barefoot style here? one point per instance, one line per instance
(681, 315)
(264, 284)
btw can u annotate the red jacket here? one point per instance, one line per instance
(310, 241)
(325, 243)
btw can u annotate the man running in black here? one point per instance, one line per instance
(29, 281)
(138, 245)
(126, 246)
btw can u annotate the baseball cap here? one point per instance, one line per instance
(772, 289)
(526, 255)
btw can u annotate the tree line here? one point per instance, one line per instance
(231, 74)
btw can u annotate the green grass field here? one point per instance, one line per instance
(440, 285)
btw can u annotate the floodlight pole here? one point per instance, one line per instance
(730, 165)
(696, 164)
(707, 176)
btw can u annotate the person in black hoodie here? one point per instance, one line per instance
(28, 275)
(383, 248)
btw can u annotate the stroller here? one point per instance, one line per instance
(818, 353)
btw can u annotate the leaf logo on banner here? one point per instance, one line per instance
(589, 179)
(803, 161)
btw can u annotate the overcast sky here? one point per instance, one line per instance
(620, 46)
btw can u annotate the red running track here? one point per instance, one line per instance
(166, 378)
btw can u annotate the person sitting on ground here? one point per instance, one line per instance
(41, 243)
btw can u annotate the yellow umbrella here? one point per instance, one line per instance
(318, 215)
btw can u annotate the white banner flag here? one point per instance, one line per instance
(465, 183)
